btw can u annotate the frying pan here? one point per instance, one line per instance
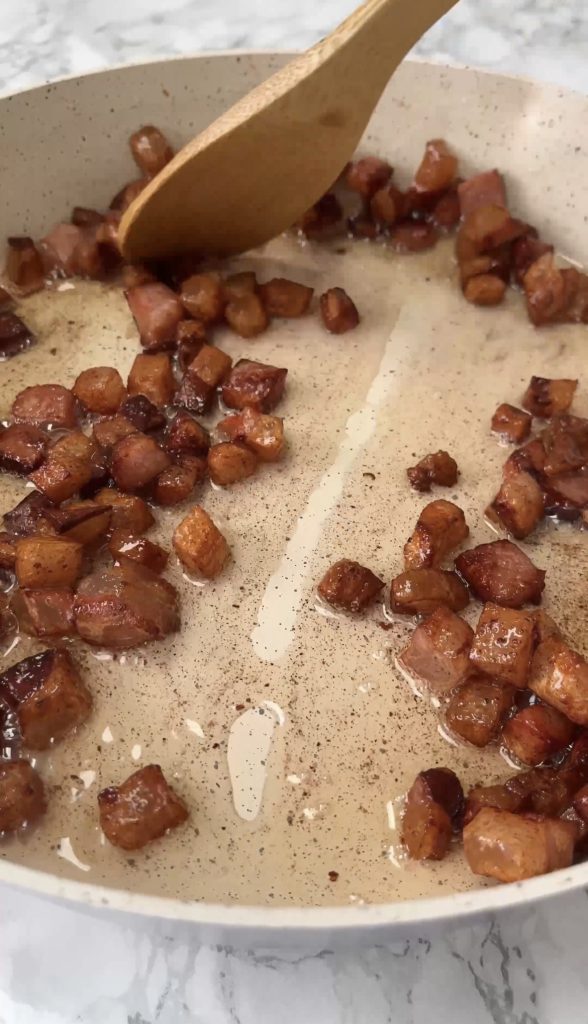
(65, 143)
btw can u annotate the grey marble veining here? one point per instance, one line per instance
(61, 966)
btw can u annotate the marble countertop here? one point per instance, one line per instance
(61, 966)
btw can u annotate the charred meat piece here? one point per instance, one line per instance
(72, 462)
(185, 435)
(519, 505)
(142, 413)
(420, 591)
(44, 613)
(138, 549)
(191, 337)
(45, 404)
(127, 512)
(256, 385)
(482, 189)
(503, 644)
(82, 521)
(546, 398)
(366, 175)
(477, 709)
(177, 482)
(350, 586)
(22, 796)
(511, 424)
(199, 545)
(436, 468)
(22, 448)
(125, 606)
(24, 266)
(51, 562)
(203, 297)
(151, 150)
(229, 462)
(437, 169)
(434, 806)
(49, 696)
(284, 298)
(511, 847)
(565, 442)
(263, 434)
(246, 315)
(157, 312)
(136, 461)
(140, 810)
(559, 676)
(15, 336)
(29, 516)
(501, 572)
(338, 311)
(204, 374)
(110, 430)
(440, 528)
(438, 651)
(535, 733)
(152, 376)
(100, 389)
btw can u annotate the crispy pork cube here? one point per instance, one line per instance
(151, 150)
(59, 478)
(136, 461)
(485, 229)
(526, 250)
(185, 435)
(51, 562)
(528, 459)
(412, 236)
(546, 398)
(177, 482)
(339, 313)
(45, 404)
(535, 733)
(386, 207)
(142, 413)
(237, 285)
(203, 297)
(7, 552)
(140, 810)
(559, 676)
(125, 545)
(204, 374)
(24, 266)
(566, 494)
(420, 591)
(498, 796)
(503, 644)
(49, 695)
(437, 653)
(22, 795)
(350, 586)
(565, 441)
(22, 448)
(157, 312)
(437, 169)
(29, 516)
(127, 512)
(199, 545)
(511, 424)
(485, 290)
(367, 175)
(15, 336)
(44, 613)
(100, 389)
(109, 431)
(545, 627)
(548, 290)
(255, 385)
(262, 433)
(246, 315)
(477, 709)
(436, 468)
(511, 847)
(519, 505)
(152, 376)
(189, 346)
(482, 189)
(502, 573)
(125, 606)
(69, 250)
(284, 298)
(229, 462)
(434, 807)
(440, 528)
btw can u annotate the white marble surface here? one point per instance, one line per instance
(60, 966)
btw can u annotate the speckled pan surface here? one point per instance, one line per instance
(340, 731)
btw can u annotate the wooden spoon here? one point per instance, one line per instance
(254, 171)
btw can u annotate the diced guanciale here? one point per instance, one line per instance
(420, 591)
(519, 505)
(242, 283)
(477, 709)
(536, 733)
(246, 315)
(338, 311)
(481, 190)
(125, 606)
(45, 404)
(22, 796)
(206, 371)
(434, 806)
(438, 651)
(110, 430)
(51, 562)
(511, 847)
(22, 448)
(511, 424)
(151, 150)
(142, 413)
(284, 298)
(502, 573)
(203, 297)
(136, 461)
(350, 586)
(15, 336)
(255, 385)
(503, 644)
(152, 376)
(436, 468)
(546, 398)
(24, 266)
(49, 696)
(157, 311)
(559, 676)
(141, 809)
(185, 435)
(138, 549)
(200, 545)
(367, 175)
(229, 462)
(440, 528)
(127, 511)
(177, 482)
(262, 433)
(100, 389)
(46, 614)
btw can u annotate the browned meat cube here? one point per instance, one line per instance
(51, 562)
(24, 266)
(545, 397)
(136, 461)
(61, 476)
(185, 435)
(440, 528)
(437, 169)
(503, 644)
(386, 207)
(69, 251)
(152, 376)
(191, 337)
(257, 385)
(203, 297)
(528, 459)
(485, 290)
(140, 810)
(565, 442)
(177, 482)
(367, 175)
(133, 274)
(548, 291)
(511, 424)
(263, 434)
(127, 512)
(15, 336)
(438, 651)
(109, 431)
(22, 448)
(22, 796)
(228, 463)
(338, 312)
(84, 521)
(412, 236)
(566, 494)
(49, 695)
(237, 285)
(434, 807)
(502, 573)
(420, 591)
(446, 213)
(324, 216)
(545, 627)
(536, 733)
(284, 298)
(125, 545)
(559, 676)
(204, 374)
(477, 709)
(100, 389)
(45, 404)
(350, 586)
(157, 312)
(29, 516)
(44, 613)
(519, 505)
(499, 796)
(7, 552)
(482, 189)
(525, 251)
(199, 545)
(436, 468)
(246, 315)
(125, 606)
(142, 413)
(151, 150)
(511, 847)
